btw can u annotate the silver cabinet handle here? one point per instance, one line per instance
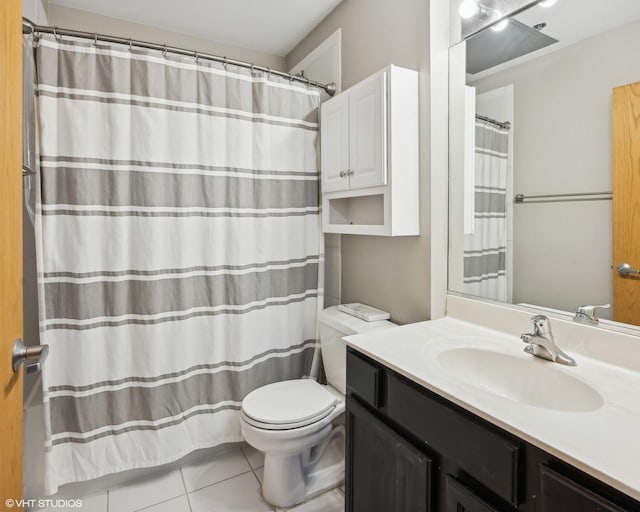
(33, 357)
(343, 174)
(346, 173)
(624, 269)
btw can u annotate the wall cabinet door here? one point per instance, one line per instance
(353, 133)
(384, 471)
(368, 133)
(334, 148)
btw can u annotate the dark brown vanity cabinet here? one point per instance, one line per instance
(558, 493)
(389, 473)
(409, 449)
(460, 499)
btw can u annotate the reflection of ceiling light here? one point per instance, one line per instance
(469, 8)
(500, 26)
(547, 3)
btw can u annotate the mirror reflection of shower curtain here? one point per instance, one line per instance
(29, 133)
(178, 239)
(485, 250)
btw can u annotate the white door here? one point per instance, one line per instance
(334, 149)
(368, 132)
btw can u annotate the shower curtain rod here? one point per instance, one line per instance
(505, 126)
(28, 27)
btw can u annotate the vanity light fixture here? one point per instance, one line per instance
(547, 3)
(501, 25)
(470, 8)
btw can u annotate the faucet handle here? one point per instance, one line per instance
(541, 325)
(587, 313)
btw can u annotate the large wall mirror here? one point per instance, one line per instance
(545, 158)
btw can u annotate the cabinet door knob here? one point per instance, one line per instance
(344, 174)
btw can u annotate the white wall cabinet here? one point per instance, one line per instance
(369, 156)
(353, 131)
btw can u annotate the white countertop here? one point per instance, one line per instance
(604, 442)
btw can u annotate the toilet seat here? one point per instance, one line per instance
(288, 405)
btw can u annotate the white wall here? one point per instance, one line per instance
(324, 64)
(66, 17)
(389, 273)
(36, 11)
(562, 144)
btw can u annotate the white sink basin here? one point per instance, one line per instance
(532, 380)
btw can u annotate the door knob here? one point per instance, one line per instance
(624, 269)
(33, 357)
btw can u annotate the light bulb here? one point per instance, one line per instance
(500, 26)
(468, 9)
(547, 3)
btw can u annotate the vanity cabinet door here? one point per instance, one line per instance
(385, 473)
(559, 494)
(460, 499)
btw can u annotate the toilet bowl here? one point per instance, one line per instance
(294, 422)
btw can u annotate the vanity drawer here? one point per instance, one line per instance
(458, 497)
(491, 458)
(363, 378)
(559, 494)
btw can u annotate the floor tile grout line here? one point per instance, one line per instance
(186, 493)
(273, 509)
(252, 470)
(256, 475)
(158, 503)
(219, 481)
(248, 461)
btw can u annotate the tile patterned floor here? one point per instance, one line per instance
(228, 483)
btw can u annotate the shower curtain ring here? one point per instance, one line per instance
(164, 52)
(197, 56)
(95, 39)
(268, 72)
(130, 44)
(225, 63)
(56, 35)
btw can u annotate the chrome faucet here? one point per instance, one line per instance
(542, 344)
(587, 314)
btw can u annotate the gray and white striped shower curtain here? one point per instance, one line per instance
(485, 249)
(178, 250)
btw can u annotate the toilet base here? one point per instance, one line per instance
(289, 479)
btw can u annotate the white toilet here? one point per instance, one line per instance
(293, 421)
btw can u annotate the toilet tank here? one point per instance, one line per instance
(335, 324)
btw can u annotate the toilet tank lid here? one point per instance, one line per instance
(348, 324)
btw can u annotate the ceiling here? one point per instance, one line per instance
(269, 26)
